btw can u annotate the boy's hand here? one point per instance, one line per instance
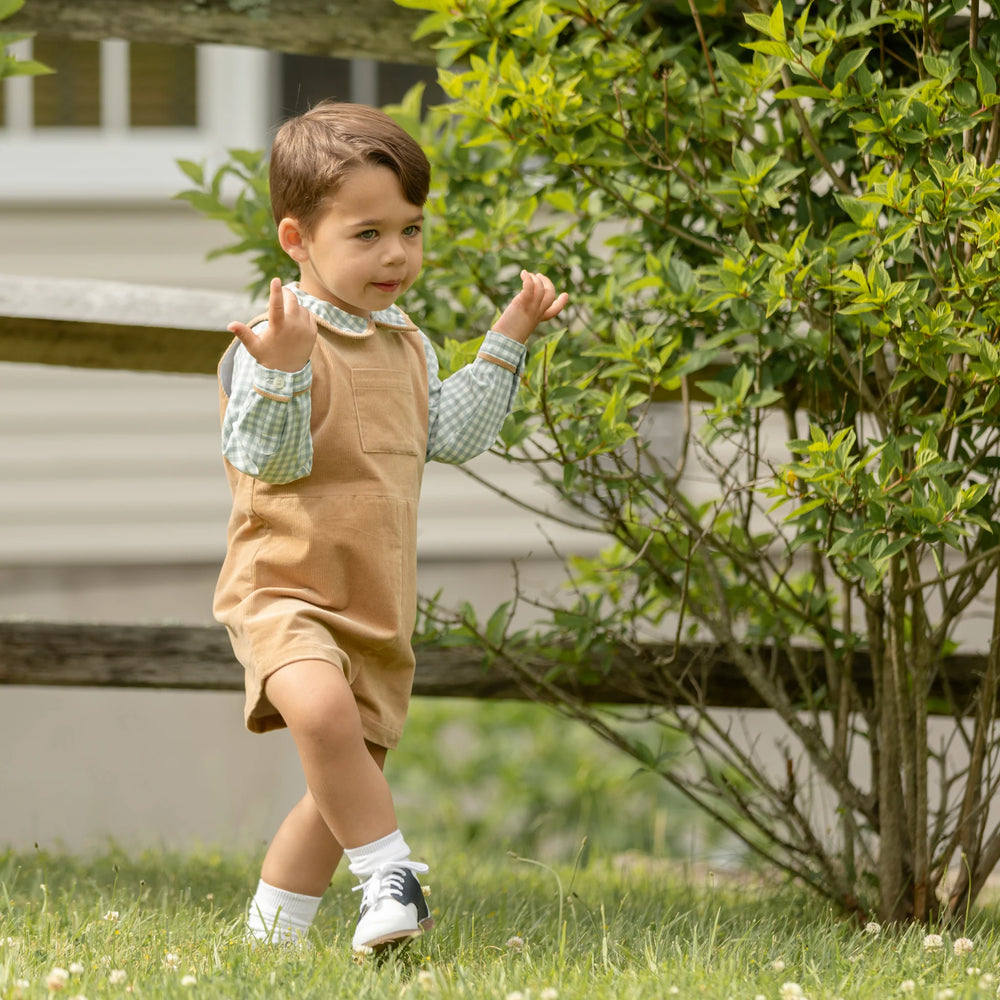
(288, 341)
(536, 302)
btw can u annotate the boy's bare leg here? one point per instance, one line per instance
(345, 781)
(304, 854)
(347, 810)
(347, 793)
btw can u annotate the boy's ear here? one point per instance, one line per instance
(292, 239)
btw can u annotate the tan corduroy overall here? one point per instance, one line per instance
(325, 567)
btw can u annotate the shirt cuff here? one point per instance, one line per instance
(503, 351)
(279, 385)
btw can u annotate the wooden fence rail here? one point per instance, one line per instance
(199, 658)
(113, 324)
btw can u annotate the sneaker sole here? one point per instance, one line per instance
(391, 941)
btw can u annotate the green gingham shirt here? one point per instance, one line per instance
(265, 432)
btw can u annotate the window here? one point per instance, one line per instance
(306, 80)
(115, 116)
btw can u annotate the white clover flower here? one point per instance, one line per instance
(56, 980)
(963, 946)
(425, 979)
(549, 993)
(932, 942)
(516, 995)
(515, 943)
(117, 976)
(778, 965)
(907, 986)
(973, 970)
(172, 961)
(111, 915)
(986, 981)
(189, 981)
(20, 986)
(791, 991)
(946, 994)
(873, 928)
(674, 991)
(76, 969)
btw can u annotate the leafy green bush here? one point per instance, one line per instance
(796, 218)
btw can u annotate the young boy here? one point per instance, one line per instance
(330, 409)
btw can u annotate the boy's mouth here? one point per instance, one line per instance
(386, 286)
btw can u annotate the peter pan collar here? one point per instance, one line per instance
(340, 321)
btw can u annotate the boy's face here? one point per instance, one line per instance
(368, 246)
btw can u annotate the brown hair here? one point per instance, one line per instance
(313, 153)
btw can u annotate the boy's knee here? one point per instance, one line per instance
(316, 702)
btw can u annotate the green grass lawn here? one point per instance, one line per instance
(556, 872)
(160, 925)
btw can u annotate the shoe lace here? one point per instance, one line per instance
(385, 881)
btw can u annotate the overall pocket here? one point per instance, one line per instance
(386, 409)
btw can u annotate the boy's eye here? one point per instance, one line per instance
(368, 234)
(412, 231)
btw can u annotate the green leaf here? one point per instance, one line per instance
(850, 63)
(806, 508)
(781, 49)
(772, 25)
(194, 171)
(798, 90)
(496, 627)
(776, 24)
(939, 68)
(759, 22)
(25, 67)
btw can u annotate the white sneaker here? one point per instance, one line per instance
(393, 908)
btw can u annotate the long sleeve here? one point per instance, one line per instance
(468, 408)
(265, 431)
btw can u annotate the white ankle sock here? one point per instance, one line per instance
(368, 858)
(280, 916)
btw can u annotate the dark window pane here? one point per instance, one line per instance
(163, 85)
(307, 80)
(71, 96)
(395, 79)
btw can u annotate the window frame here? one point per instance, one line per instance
(115, 161)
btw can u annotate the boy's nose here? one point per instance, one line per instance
(394, 251)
